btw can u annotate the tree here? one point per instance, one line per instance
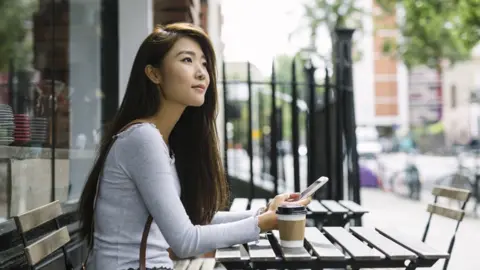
(15, 15)
(469, 13)
(431, 32)
(283, 75)
(283, 71)
(332, 14)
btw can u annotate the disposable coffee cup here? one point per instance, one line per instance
(291, 225)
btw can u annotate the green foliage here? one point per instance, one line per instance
(432, 31)
(333, 14)
(283, 71)
(469, 15)
(14, 44)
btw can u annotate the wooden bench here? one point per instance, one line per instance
(195, 264)
(333, 247)
(325, 212)
(37, 250)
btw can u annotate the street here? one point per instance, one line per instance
(431, 168)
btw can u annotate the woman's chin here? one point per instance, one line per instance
(197, 102)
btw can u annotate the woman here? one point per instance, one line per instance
(161, 158)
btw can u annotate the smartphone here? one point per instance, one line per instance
(310, 190)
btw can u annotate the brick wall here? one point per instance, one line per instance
(385, 67)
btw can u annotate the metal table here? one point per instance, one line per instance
(333, 247)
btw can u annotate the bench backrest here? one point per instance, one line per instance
(49, 243)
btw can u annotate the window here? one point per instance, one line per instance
(51, 99)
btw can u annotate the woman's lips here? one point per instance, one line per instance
(199, 88)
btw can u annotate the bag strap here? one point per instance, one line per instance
(148, 223)
(143, 244)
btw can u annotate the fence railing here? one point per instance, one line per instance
(283, 133)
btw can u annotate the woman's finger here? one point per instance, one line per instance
(294, 196)
(305, 201)
(283, 197)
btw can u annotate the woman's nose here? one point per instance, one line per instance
(200, 75)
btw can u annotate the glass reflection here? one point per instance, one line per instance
(50, 100)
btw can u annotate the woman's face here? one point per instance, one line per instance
(183, 77)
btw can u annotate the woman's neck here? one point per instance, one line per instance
(167, 117)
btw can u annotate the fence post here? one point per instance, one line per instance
(281, 153)
(344, 83)
(250, 129)
(295, 129)
(260, 131)
(312, 157)
(225, 120)
(273, 133)
(327, 131)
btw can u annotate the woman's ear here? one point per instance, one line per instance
(153, 74)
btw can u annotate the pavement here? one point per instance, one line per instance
(410, 217)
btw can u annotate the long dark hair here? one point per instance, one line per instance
(194, 139)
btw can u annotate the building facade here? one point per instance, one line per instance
(380, 80)
(63, 73)
(461, 101)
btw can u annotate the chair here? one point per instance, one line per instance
(38, 249)
(461, 195)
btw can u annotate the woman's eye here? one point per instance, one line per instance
(187, 59)
(204, 64)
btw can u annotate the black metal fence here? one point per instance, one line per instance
(282, 133)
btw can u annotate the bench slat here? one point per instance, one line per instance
(316, 207)
(321, 247)
(290, 254)
(353, 206)
(452, 193)
(334, 207)
(208, 264)
(446, 211)
(195, 264)
(181, 264)
(239, 204)
(417, 246)
(357, 249)
(393, 250)
(261, 250)
(47, 245)
(38, 216)
(256, 204)
(228, 254)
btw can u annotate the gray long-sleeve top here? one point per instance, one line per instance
(140, 178)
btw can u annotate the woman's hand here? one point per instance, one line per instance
(287, 198)
(267, 221)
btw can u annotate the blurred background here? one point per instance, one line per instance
(381, 96)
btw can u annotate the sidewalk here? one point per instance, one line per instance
(410, 217)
